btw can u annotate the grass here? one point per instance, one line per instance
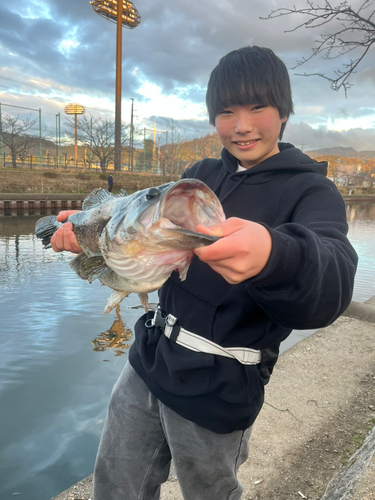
(357, 442)
(70, 181)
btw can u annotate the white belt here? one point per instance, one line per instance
(195, 342)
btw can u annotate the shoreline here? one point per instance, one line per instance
(316, 427)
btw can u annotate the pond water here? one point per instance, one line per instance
(61, 356)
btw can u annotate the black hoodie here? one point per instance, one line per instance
(307, 283)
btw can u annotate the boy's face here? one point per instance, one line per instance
(249, 132)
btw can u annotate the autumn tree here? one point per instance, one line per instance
(208, 146)
(369, 167)
(16, 135)
(352, 30)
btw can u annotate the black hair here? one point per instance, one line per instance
(250, 75)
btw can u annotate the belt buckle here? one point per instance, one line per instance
(158, 320)
(171, 329)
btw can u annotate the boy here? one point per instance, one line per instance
(283, 262)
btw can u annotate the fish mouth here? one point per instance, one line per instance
(187, 203)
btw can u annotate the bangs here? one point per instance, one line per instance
(235, 90)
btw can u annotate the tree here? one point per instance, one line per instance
(97, 136)
(208, 146)
(353, 30)
(168, 149)
(16, 136)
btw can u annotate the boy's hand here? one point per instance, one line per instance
(241, 253)
(64, 238)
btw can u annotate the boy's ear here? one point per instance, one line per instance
(283, 120)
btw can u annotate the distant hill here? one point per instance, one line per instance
(340, 151)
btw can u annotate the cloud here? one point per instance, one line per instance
(54, 52)
(303, 135)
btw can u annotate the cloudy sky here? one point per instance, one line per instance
(53, 52)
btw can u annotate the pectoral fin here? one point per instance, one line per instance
(88, 268)
(115, 298)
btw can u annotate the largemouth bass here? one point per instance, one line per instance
(133, 243)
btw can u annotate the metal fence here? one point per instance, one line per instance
(49, 162)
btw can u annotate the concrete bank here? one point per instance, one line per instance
(320, 409)
(38, 204)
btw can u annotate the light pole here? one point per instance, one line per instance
(58, 140)
(131, 138)
(74, 109)
(123, 13)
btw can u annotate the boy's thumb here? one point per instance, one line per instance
(211, 230)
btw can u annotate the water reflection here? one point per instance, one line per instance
(360, 212)
(54, 389)
(114, 338)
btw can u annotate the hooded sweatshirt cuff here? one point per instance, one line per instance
(286, 263)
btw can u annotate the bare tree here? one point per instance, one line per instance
(98, 136)
(16, 135)
(352, 29)
(169, 148)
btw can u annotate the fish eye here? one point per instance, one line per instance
(152, 193)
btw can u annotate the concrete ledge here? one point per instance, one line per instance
(41, 196)
(358, 198)
(363, 311)
(347, 481)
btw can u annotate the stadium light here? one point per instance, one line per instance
(108, 10)
(124, 14)
(74, 109)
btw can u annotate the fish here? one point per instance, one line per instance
(133, 243)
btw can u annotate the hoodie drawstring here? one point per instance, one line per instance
(233, 188)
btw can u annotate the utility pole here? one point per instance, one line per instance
(131, 138)
(1, 140)
(118, 85)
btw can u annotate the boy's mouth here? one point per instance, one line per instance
(246, 143)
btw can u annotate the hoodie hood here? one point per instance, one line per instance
(289, 159)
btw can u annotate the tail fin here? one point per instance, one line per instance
(45, 227)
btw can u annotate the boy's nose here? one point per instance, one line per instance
(243, 125)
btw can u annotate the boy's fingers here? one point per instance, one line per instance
(241, 253)
(219, 250)
(225, 228)
(64, 214)
(65, 239)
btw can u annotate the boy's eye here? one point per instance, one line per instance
(225, 112)
(259, 106)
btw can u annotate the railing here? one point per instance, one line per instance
(53, 163)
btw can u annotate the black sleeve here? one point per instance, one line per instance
(308, 281)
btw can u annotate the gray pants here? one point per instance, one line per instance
(141, 436)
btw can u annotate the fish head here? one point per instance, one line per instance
(165, 217)
(182, 206)
(133, 215)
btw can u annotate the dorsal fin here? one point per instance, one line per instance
(100, 195)
(96, 197)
